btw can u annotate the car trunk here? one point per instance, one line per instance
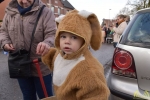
(142, 64)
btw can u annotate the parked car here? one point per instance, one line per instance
(130, 71)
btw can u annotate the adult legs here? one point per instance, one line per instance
(105, 39)
(28, 88)
(31, 86)
(48, 84)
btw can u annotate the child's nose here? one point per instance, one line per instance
(67, 40)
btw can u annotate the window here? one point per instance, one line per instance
(52, 8)
(139, 32)
(58, 11)
(56, 1)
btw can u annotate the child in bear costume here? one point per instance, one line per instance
(77, 75)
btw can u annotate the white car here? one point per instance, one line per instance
(130, 71)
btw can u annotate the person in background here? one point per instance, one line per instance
(15, 34)
(127, 19)
(117, 24)
(104, 27)
(119, 30)
(107, 31)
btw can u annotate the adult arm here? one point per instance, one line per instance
(4, 36)
(49, 28)
(119, 30)
(49, 33)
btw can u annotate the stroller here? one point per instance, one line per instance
(109, 38)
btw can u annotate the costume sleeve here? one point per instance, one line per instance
(92, 86)
(119, 30)
(49, 27)
(4, 36)
(49, 58)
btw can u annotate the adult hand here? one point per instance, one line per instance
(42, 48)
(9, 47)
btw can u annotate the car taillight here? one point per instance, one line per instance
(123, 63)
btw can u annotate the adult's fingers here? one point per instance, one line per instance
(11, 46)
(8, 47)
(38, 48)
(47, 47)
(42, 48)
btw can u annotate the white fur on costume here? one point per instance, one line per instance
(85, 13)
(58, 19)
(60, 72)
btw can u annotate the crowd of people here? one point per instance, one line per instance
(117, 29)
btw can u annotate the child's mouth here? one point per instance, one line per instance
(67, 49)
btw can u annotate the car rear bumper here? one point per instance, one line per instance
(124, 87)
(120, 95)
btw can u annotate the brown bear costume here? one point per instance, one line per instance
(78, 76)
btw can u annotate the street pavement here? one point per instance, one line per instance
(9, 88)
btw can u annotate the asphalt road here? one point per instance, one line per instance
(9, 88)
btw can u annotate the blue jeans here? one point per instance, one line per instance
(31, 86)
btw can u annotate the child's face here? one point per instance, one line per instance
(70, 43)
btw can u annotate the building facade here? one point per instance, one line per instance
(59, 7)
(3, 5)
(108, 22)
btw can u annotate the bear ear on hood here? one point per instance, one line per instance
(59, 19)
(96, 38)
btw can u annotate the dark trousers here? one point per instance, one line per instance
(115, 44)
(31, 86)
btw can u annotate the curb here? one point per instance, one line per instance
(108, 64)
(107, 67)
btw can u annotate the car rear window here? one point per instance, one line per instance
(139, 32)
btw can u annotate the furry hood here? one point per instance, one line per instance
(82, 23)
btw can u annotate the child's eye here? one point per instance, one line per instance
(62, 36)
(74, 37)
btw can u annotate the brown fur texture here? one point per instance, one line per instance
(49, 57)
(88, 28)
(86, 81)
(96, 32)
